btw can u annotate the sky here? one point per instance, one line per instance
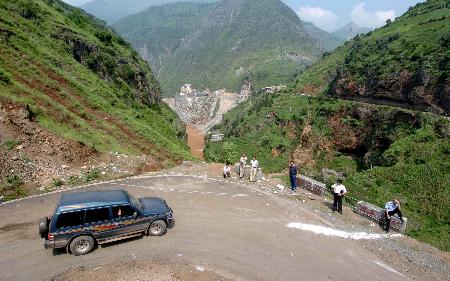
(330, 15)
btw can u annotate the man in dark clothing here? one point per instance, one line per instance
(392, 208)
(293, 171)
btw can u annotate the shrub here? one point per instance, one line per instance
(11, 144)
(228, 153)
(92, 175)
(57, 182)
(13, 182)
(104, 36)
(5, 77)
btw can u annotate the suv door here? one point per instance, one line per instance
(98, 220)
(124, 217)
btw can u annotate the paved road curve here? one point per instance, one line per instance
(232, 230)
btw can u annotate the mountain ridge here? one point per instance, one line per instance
(228, 42)
(113, 10)
(350, 30)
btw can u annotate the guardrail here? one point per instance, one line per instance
(362, 208)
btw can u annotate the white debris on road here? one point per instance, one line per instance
(339, 233)
(200, 268)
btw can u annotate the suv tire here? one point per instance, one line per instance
(81, 245)
(43, 227)
(157, 228)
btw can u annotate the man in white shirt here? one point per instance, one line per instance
(339, 191)
(242, 163)
(226, 171)
(254, 163)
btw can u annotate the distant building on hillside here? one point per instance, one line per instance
(273, 89)
(217, 137)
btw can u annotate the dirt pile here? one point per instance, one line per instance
(143, 271)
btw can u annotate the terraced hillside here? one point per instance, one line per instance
(406, 63)
(381, 151)
(71, 90)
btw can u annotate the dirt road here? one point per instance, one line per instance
(196, 141)
(223, 229)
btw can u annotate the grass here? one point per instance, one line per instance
(11, 144)
(95, 100)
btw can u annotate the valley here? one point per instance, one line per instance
(155, 96)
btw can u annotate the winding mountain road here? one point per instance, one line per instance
(232, 230)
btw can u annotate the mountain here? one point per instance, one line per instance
(113, 10)
(72, 91)
(219, 45)
(350, 30)
(329, 41)
(406, 63)
(361, 114)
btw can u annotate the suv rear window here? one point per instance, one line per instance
(96, 215)
(70, 219)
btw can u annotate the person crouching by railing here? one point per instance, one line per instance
(226, 171)
(391, 208)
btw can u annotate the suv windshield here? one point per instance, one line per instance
(135, 203)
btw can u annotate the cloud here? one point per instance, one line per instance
(362, 17)
(320, 17)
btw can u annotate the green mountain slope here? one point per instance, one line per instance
(329, 40)
(406, 63)
(219, 45)
(113, 10)
(82, 82)
(381, 151)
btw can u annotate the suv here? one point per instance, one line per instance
(82, 220)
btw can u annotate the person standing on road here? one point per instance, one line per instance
(226, 171)
(242, 163)
(254, 163)
(293, 171)
(339, 191)
(392, 208)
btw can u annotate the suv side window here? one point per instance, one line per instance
(122, 211)
(70, 219)
(96, 215)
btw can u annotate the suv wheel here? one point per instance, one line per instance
(157, 228)
(82, 245)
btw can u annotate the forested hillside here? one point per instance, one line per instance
(221, 44)
(406, 63)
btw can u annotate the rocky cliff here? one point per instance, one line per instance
(204, 109)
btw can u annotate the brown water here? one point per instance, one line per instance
(196, 141)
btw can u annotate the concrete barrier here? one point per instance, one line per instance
(377, 214)
(311, 185)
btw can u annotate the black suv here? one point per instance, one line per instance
(84, 219)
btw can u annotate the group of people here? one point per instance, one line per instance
(339, 190)
(254, 165)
